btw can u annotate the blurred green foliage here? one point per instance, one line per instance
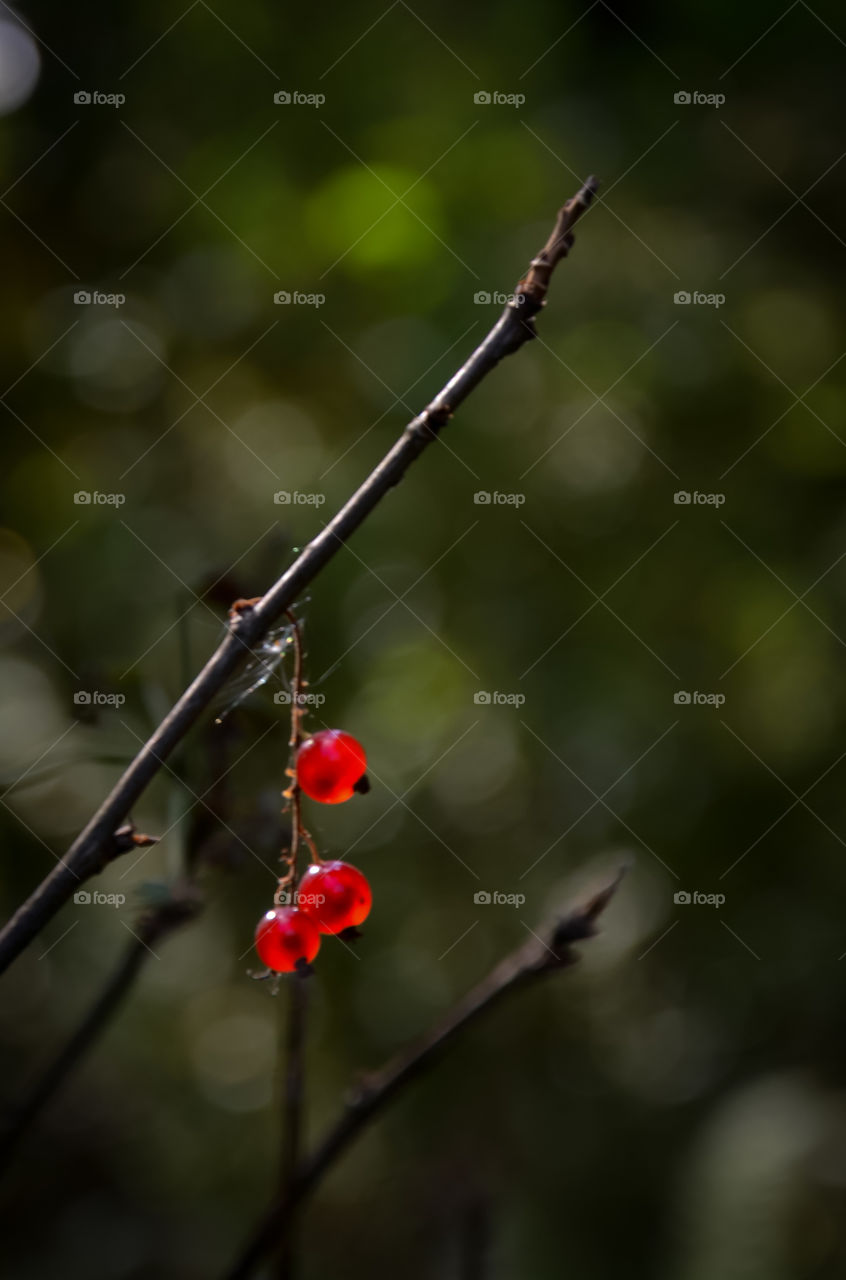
(684, 1088)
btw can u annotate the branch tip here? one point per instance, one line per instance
(559, 244)
(581, 922)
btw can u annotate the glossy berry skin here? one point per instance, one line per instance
(329, 765)
(285, 935)
(336, 896)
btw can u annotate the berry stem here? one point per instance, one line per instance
(292, 793)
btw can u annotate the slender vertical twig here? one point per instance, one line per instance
(297, 1007)
(292, 1110)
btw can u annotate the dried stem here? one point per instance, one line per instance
(96, 845)
(541, 954)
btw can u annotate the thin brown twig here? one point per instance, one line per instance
(296, 1013)
(538, 956)
(96, 845)
(293, 1109)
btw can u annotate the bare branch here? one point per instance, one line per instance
(539, 955)
(96, 843)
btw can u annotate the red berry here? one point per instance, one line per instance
(330, 764)
(336, 896)
(284, 936)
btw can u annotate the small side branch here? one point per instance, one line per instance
(540, 955)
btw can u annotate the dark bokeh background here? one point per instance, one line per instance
(675, 1108)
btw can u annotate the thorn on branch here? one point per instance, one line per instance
(123, 840)
(430, 421)
(242, 606)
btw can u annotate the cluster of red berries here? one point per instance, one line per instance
(331, 896)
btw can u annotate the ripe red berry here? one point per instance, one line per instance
(284, 936)
(331, 766)
(336, 896)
